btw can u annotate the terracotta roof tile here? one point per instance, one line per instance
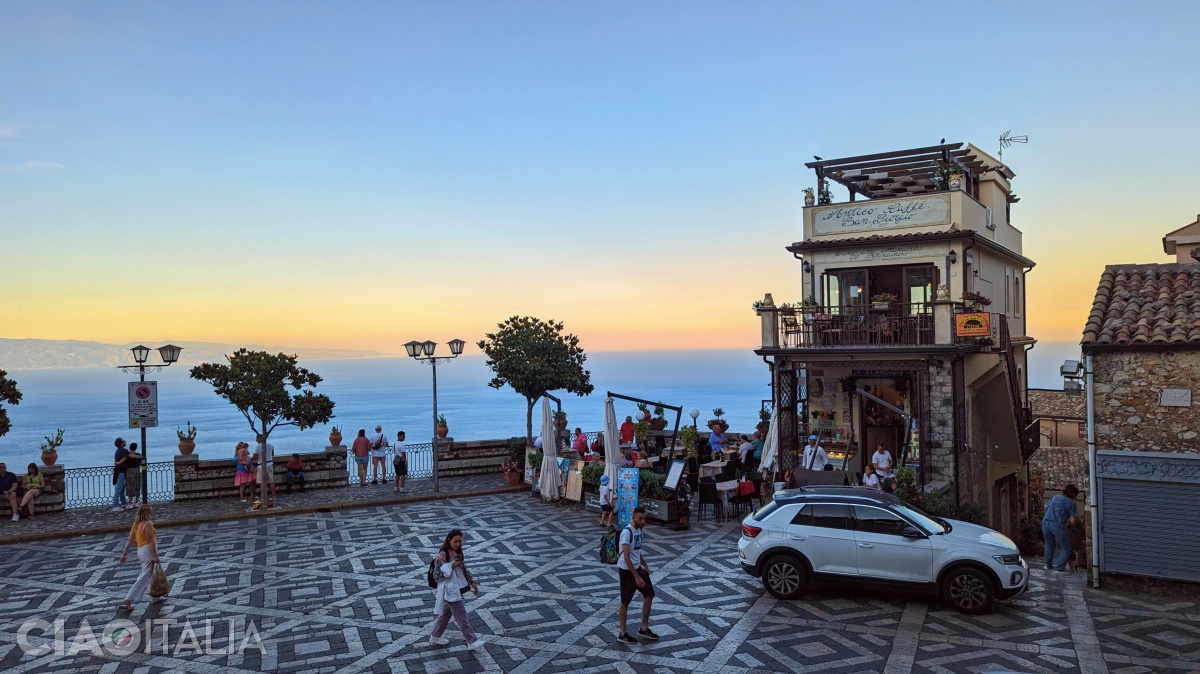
(1047, 403)
(1145, 304)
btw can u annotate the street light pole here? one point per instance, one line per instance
(423, 352)
(169, 354)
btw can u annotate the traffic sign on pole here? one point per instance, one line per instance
(143, 403)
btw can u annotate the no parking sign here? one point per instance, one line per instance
(143, 404)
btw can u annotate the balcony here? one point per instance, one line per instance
(896, 326)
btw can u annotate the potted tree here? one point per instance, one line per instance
(659, 421)
(512, 473)
(441, 428)
(187, 439)
(533, 466)
(764, 422)
(689, 437)
(560, 420)
(50, 447)
(717, 421)
(641, 430)
(335, 437)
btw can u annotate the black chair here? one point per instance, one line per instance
(708, 496)
(758, 490)
(727, 473)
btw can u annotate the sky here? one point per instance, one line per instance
(357, 175)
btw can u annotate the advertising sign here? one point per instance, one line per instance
(626, 494)
(973, 325)
(880, 214)
(143, 403)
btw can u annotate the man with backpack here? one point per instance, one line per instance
(635, 576)
(379, 447)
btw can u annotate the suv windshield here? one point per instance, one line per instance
(924, 521)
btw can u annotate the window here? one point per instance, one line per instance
(1017, 297)
(826, 515)
(1008, 290)
(878, 521)
(918, 284)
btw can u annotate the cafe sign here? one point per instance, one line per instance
(879, 253)
(973, 325)
(880, 214)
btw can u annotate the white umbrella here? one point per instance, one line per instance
(612, 444)
(551, 480)
(771, 444)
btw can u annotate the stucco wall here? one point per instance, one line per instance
(1128, 415)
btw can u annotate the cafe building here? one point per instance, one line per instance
(907, 329)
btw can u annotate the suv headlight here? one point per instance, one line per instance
(1008, 560)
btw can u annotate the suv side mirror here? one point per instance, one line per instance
(912, 532)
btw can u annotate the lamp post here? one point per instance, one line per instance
(423, 352)
(169, 355)
(693, 413)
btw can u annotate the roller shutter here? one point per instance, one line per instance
(1149, 528)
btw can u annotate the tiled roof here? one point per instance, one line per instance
(1060, 466)
(1145, 304)
(1056, 404)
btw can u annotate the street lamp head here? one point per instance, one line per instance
(169, 353)
(140, 354)
(456, 346)
(413, 348)
(429, 348)
(693, 413)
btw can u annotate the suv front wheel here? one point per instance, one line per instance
(784, 576)
(967, 590)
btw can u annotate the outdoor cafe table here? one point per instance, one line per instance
(711, 468)
(724, 489)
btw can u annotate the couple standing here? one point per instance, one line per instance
(127, 476)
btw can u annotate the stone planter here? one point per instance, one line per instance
(512, 478)
(660, 511)
(591, 501)
(48, 458)
(186, 447)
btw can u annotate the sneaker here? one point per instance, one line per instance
(117, 509)
(648, 634)
(438, 641)
(627, 639)
(374, 482)
(16, 517)
(477, 644)
(131, 506)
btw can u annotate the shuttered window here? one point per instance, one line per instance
(1149, 528)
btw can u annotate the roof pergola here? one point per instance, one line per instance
(905, 172)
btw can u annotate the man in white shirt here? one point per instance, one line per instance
(265, 453)
(635, 576)
(815, 457)
(538, 443)
(400, 463)
(883, 462)
(379, 447)
(745, 448)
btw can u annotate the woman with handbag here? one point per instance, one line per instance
(143, 534)
(453, 581)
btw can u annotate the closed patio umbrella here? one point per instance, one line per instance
(771, 444)
(551, 480)
(612, 444)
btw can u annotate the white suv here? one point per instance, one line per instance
(854, 536)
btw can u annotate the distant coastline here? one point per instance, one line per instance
(64, 354)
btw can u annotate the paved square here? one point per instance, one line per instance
(345, 591)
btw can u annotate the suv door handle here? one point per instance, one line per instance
(865, 545)
(795, 537)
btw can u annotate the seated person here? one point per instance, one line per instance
(627, 461)
(9, 485)
(295, 473)
(717, 443)
(35, 484)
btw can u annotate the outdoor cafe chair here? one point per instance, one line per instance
(708, 496)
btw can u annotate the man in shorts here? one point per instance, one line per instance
(635, 576)
(379, 447)
(400, 463)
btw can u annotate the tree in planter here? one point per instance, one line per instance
(689, 437)
(516, 451)
(534, 357)
(8, 395)
(257, 383)
(591, 477)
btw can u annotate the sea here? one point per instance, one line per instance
(91, 404)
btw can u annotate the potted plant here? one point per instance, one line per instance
(683, 500)
(653, 497)
(948, 177)
(717, 421)
(560, 420)
(533, 465)
(187, 439)
(512, 473)
(640, 432)
(50, 447)
(659, 421)
(810, 196)
(335, 437)
(825, 197)
(440, 427)
(764, 422)
(882, 300)
(972, 300)
(690, 438)
(809, 306)
(590, 476)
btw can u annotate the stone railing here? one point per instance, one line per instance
(209, 478)
(474, 457)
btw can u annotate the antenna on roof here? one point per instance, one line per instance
(1007, 139)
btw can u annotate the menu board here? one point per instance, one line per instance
(673, 475)
(626, 494)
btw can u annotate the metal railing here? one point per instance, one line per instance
(873, 325)
(94, 486)
(420, 462)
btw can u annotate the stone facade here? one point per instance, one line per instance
(476, 457)
(939, 435)
(1126, 390)
(211, 478)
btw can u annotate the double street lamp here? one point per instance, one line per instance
(423, 352)
(169, 354)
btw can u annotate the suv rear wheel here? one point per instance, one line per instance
(967, 590)
(784, 576)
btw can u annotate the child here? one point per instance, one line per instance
(245, 471)
(606, 504)
(869, 478)
(295, 473)
(1076, 533)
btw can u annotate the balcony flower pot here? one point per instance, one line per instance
(658, 424)
(48, 458)
(186, 447)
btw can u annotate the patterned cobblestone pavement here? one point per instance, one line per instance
(344, 591)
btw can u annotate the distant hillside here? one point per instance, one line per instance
(54, 354)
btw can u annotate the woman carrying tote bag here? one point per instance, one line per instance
(143, 534)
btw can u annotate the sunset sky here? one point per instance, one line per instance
(356, 175)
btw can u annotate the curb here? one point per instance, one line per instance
(49, 535)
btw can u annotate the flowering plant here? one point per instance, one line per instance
(510, 467)
(883, 297)
(981, 300)
(189, 434)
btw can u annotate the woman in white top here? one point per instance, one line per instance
(453, 580)
(869, 478)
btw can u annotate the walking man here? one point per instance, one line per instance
(635, 575)
(815, 457)
(1060, 512)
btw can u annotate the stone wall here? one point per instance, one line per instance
(53, 498)
(476, 457)
(1126, 388)
(939, 425)
(209, 478)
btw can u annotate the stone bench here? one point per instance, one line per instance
(213, 478)
(53, 496)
